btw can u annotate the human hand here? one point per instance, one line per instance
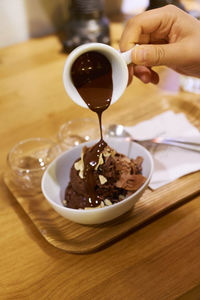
(167, 36)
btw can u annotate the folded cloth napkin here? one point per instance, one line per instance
(170, 162)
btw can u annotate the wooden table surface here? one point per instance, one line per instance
(159, 261)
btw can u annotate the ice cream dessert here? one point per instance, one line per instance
(114, 177)
(101, 176)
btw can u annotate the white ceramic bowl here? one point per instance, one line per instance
(56, 178)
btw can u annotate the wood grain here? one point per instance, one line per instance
(159, 261)
(76, 238)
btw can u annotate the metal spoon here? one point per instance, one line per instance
(115, 130)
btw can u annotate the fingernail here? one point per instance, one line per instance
(139, 55)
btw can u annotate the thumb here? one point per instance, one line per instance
(155, 55)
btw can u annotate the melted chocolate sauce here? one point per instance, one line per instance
(92, 76)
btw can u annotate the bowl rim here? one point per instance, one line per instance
(95, 209)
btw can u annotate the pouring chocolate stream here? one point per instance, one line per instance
(92, 76)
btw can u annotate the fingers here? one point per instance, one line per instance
(157, 55)
(130, 73)
(155, 77)
(140, 28)
(166, 36)
(146, 74)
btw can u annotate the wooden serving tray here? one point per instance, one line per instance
(78, 238)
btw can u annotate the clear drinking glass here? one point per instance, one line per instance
(28, 160)
(190, 84)
(78, 131)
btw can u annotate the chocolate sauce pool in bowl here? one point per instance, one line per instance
(92, 76)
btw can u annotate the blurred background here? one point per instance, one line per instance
(24, 19)
(21, 20)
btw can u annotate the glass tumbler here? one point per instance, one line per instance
(28, 160)
(190, 84)
(78, 131)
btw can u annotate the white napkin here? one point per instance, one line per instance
(170, 162)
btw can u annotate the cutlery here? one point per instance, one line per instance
(117, 130)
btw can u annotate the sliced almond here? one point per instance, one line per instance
(64, 202)
(107, 202)
(100, 162)
(102, 204)
(121, 197)
(81, 174)
(102, 179)
(106, 152)
(78, 165)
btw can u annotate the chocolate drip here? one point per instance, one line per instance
(92, 76)
(91, 159)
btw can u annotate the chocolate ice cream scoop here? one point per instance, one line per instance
(115, 177)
